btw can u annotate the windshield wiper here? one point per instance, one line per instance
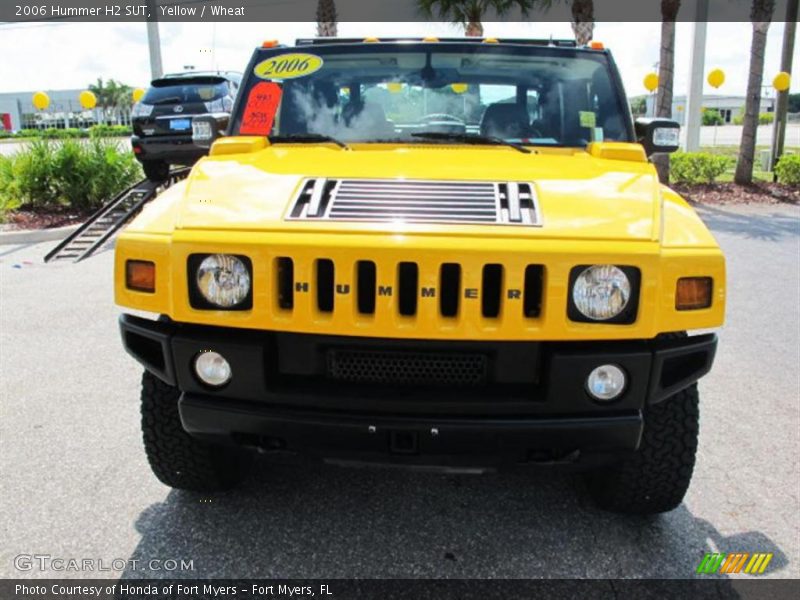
(470, 138)
(306, 138)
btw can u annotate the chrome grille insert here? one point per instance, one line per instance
(415, 201)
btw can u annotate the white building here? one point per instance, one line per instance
(65, 110)
(728, 106)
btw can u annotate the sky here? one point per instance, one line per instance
(53, 56)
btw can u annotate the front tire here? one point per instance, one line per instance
(177, 459)
(656, 477)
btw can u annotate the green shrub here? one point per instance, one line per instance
(698, 167)
(54, 133)
(7, 201)
(764, 118)
(80, 174)
(109, 130)
(107, 171)
(62, 134)
(33, 175)
(28, 133)
(711, 116)
(788, 169)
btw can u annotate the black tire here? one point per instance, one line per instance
(156, 170)
(656, 477)
(177, 459)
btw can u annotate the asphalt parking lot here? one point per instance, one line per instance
(76, 484)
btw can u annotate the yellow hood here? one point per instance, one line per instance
(580, 196)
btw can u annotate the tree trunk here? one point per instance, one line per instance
(583, 21)
(747, 148)
(474, 28)
(666, 75)
(326, 18)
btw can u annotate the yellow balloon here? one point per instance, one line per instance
(88, 99)
(138, 94)
(394, 86)
(41, 100)
(716, 78)
(459, 88)
(782, 81)
(651, 82)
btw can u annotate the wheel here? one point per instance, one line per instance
(177, 459)
(656, 477)
(156, 170)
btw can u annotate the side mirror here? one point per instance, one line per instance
(658, 135)
(207, 128)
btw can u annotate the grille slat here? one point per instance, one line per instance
(391, 200)
(437, 218)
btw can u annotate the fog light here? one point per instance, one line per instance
(606, 382)
(212, 369)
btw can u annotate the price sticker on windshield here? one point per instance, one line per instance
(259, 112)
(288, 66)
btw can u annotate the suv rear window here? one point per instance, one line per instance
(179, 91)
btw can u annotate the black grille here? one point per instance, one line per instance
(407, 368)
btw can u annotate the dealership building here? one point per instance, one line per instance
(17, 111)
(728, 106)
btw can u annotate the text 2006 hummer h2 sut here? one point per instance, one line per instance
(439, 253)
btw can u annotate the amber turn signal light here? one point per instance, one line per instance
(140, 275)
(693, 293)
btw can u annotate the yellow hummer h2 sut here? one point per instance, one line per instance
(439, 253)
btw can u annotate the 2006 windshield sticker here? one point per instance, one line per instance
(288, 66)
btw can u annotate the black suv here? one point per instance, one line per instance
(162, 120)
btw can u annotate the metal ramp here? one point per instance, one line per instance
(104, 223)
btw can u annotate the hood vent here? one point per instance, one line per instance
(417, 201)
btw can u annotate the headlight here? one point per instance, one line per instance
(601, 292)
(223, 280)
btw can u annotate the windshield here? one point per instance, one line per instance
(399, 93)
(179, 91)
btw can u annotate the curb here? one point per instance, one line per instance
(31, 236)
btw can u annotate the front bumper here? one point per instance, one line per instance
(530, 406)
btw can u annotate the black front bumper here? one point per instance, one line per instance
(531, 407)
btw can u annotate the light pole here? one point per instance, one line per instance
(694, 99)
(153, 40)
(782, 100)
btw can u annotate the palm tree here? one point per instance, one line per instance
(583, 21)
(326, 18)
(111, 97)
(470, 13)
(760, 16)
(666, 75)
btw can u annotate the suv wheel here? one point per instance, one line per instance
(656, 477)
(177, 459)
(156, 170)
